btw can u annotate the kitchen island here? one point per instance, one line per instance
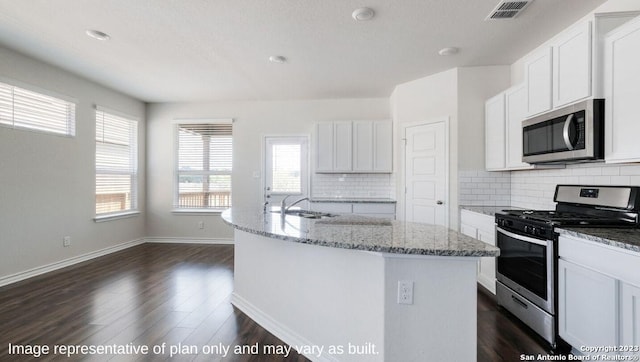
(330, 286)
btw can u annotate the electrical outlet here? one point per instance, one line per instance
(66, 241)
(200, 224)
(405, 292)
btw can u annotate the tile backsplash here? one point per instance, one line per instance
(484, 188)
(534, 189)
(362, 185)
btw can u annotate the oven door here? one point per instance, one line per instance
(526, 265)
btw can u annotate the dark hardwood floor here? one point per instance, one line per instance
(174, 294)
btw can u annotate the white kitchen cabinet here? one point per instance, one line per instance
(383, 146)
(630, 315)
(598, 293)
(539, 80)
(495, 133)
(354, 147)
(363, 146)
(343, 138)
(621, 90)
(504, 114)
(587, 306)
(572, 65)
(384, 210)
(516, 110)
(482, 227)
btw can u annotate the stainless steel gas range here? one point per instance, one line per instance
(527, 265)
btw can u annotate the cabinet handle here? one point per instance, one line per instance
(439, 202)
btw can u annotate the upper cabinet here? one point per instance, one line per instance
(538, 74)
(622, 93)
(504, 114)
(572, 65)
(354, 147)
(495, 133)
(515, 113)
(561, 73)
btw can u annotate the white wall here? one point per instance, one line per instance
(458, 94)
(48, 182)
(253, 120)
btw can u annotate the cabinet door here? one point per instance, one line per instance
(538, 71)
(324, 147)
(363, 146)
(487, 273)
(383, 146)
(572, 65)
(342, 146)
(516, 110)
(468, 230)
(588, 306)
(621, 79)
(494, 133)
(630, 315)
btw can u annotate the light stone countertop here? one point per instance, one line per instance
(487, 210)
(625, 238)
(360, 233)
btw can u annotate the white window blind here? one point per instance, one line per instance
(116, 163)
(22, 108)
(286, 172)
(204, 155)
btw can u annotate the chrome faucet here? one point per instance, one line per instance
(283, 205)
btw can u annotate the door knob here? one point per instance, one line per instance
(439, 202)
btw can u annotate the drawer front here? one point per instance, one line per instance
(615, 262)
(477, 220)
(372, 208)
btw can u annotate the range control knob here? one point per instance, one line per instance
(535, 231)
(528, 229)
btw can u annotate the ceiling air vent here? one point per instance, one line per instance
(508, 9)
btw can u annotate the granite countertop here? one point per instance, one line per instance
(360, 233)
(353, 200)
(625, 238)
(486, 210)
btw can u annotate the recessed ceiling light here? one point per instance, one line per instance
(363, 14)
(448, 51)
(277, 59)
(97, 34)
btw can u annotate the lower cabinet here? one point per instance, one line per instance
(385, 210)
(598, 295)
(630, 316)
(482, 227)
(588, 306)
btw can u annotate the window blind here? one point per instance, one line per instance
(116, 163)
(22, 108)
(204, 166)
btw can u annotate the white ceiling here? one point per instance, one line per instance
(202, 50)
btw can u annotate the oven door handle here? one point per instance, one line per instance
(521, 237)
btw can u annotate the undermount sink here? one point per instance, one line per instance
(307, 214)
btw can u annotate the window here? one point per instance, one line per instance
(116, 163)
(204, 156)
(22, 108)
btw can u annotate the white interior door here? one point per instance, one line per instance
(426, 168)
(286, 169)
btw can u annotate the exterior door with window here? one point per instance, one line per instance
(286, 169)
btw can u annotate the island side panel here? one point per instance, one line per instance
(312, 295)
(441, 324)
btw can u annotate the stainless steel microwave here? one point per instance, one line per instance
(572, 133)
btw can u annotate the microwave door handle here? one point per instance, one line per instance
(565, 132)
